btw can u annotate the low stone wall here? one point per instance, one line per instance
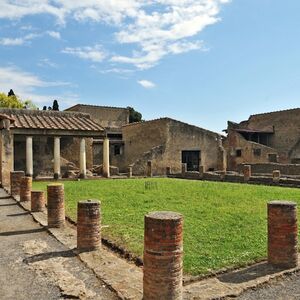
(262, 180)
(268, 168)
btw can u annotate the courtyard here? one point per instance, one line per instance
(225, 224)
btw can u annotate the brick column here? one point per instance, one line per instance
(201, 171)
(56, 205)
(183, 169)
(247, 172)
(168, 171)
(149, 168)
(276, 176)
(163, 251)
(15, 182)
(37, 201)
(129, 172)
(25, 188)
(282, 234)
(88, 225)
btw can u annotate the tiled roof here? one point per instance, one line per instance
(95, 106)
(50, 120)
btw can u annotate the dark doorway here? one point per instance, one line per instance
(191, 159)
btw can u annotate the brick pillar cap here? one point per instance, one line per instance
(89, 201)
(37, 191)
(282, 203)
(164, 215)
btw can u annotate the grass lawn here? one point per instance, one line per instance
(225, 224)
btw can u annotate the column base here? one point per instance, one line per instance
(82, 176)
(56, 176)
(29, 175)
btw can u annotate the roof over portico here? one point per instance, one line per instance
(40, 122)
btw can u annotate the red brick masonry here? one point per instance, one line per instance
(163, 251)
(37, 201)
(15, 181)
(25, 188)
(88, 225)
(282, 234)
(56, 205)
(247, 172)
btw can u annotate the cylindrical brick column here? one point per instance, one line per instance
(88, 225)
(282, 234)
(56, 205)
(168, 170)
(129, 172)
(37, 201)
(25, 188)
(201, 171)
(276, 176)
(149, 168)
(163, 251)
(247, 172)
(15, 182)
(183, 169)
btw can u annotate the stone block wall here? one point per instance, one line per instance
(268, 168)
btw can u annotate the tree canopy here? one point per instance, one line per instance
(13, 101)
(134, 116)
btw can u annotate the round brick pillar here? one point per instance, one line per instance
(56, 205)
(149, 168)
(276, 176)
(247, 172)
(15, 182)
(88, 225)
(25, 188)
(282, 234)
(37, 201)
(163, 251)
(183, 169)
(129, 172)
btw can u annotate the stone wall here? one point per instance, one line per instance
(163, 141)
(108, 117)
(6, 157)
(248, 151)
(268, 168)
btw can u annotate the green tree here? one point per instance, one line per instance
(55, 105)
(134, 116)
(13, 101)
(10, 101)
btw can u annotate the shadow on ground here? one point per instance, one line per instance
(250, 273)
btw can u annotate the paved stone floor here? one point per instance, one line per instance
(34, 265)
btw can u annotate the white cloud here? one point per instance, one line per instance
(95, 53)
(54, 34)
(147, 84)
(152, 28)
(46, 62)
(25, 84)
(18, 41)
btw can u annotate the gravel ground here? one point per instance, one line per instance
(36, 266)
(286, 288)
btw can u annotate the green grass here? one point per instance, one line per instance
(225, 224)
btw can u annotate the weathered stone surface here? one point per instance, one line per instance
(247, 172)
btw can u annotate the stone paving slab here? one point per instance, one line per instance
(126, 279)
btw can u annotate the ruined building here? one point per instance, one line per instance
(264, 138)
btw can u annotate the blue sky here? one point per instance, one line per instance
(200, 61)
